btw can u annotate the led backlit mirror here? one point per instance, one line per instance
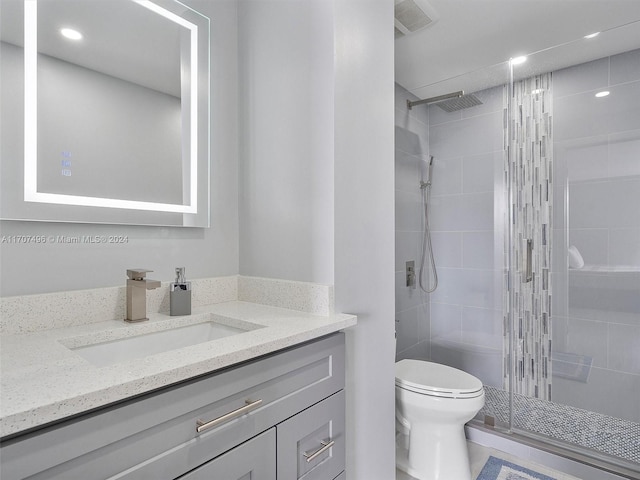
(105, 112)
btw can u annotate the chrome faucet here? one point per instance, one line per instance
(137, 286)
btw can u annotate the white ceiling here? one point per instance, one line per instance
(471, 35)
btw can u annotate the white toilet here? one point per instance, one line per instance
(433, 402)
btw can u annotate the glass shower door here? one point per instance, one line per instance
(574, 350)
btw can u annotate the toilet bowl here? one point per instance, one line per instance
(433, 402)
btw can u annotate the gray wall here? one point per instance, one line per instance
(33, 268)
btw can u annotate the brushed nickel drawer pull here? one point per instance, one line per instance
(325, 446)
(202, 426)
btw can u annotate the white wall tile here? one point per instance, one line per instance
(584, 115)
(407, 329)
(492, 101)
(437, 115)
(581, 78)
(596, 395)
(467, 137)
(624, 246)
(587, 337)
(446, 321)
(592, 243)
(408, 141)
(477, 288)
(462, 212)
(447, 249)
(407, 171)
(407, 297)
(482, 326)
(483, 363)
(408, 211)
(477, 250)
(624, 348)
(585, 158)
(625, 67)
(447, 176)
(407, 248)
(478, 172)
(624, 154)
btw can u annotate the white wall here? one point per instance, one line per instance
(286, 139)
(31, 268)
(316, 183)
(364, 231)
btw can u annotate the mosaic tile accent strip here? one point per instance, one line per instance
(528, 168)
(604, 434)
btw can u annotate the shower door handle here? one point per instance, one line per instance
(527, 257)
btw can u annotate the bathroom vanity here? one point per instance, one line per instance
(279, 416)
(269, 402)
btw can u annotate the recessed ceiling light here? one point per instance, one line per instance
(518, 60)
(537, 91)
(604, 93)
(70, 33)
(592, 35)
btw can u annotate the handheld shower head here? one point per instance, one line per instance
(426, 184)
(430, 166)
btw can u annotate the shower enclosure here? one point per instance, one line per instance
(535, 228)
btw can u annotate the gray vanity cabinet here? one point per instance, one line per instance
(311, 444)
(255, 459)
(256, 420)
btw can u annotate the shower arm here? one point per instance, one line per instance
(439, 98)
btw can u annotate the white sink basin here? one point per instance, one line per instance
(140, 346)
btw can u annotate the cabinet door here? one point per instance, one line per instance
(311, 444)
(253, 460)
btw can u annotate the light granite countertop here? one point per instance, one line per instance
(43, 380)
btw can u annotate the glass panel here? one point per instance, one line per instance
(537, 250)
(594, 383)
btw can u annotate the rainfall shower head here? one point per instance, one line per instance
(459, 103)
(450, 102)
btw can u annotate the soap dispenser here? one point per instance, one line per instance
(180, 295)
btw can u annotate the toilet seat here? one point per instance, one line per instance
(428, 378)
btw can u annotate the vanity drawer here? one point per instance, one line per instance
(255, 459)
(311, 445)
(155, 436)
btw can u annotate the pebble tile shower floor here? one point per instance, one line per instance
(602, 433)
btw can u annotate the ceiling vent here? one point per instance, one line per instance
(412, 15)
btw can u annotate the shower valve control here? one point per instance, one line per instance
(411, 273)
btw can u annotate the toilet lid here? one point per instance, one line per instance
(435, 379)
